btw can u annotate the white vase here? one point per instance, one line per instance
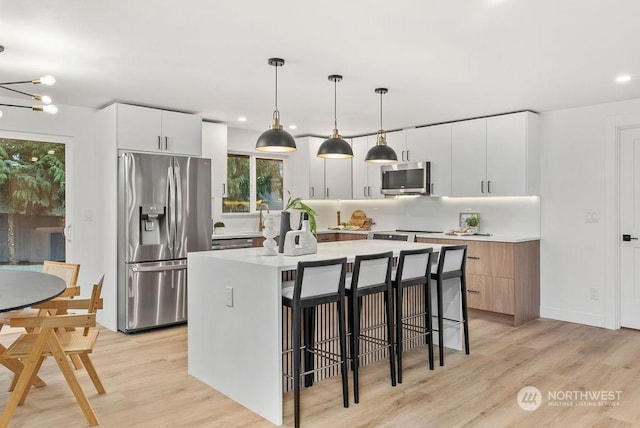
(269, 232)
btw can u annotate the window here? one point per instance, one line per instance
(251, 182)
(32, 201)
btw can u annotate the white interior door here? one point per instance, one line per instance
(630, 228)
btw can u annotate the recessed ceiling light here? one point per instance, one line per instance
(623, 78)
(293, 127)
(242, 119)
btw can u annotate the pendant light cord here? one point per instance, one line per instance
(276, 113)
(335, 104)
(381, 111)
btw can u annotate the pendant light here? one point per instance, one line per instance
(381, 153)
(335, 147)
(276, 139)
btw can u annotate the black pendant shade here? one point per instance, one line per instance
(276, 139)
(335, 147)
(381, 153)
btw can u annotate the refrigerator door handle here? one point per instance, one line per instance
(178, 229)
(157, 268)
(171, 209)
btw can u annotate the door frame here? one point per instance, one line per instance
(612, 242)
(69, 176)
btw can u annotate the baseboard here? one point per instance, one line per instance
(573, 316)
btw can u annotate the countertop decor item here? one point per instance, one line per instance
(335, 147)
(470, 220)
(285, 226)
(381, 153)
(276, 139)
(217, 226)
(297, 204)
(307, 243)
(269, 232)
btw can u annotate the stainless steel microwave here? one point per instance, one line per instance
(406, 178)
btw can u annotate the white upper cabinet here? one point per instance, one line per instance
(152, 130)
(513, 155)
(326, 178)
(366, 176)
(397, 140)
(433, 144)
(496, 156)
(469, 157)
(214, 146)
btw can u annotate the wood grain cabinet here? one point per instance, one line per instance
(503, 278)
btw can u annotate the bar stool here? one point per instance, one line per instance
(451, 264)
(371, 275)
(316, 283)
(413, 269)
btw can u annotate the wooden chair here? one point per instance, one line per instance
(67, 271)
(33, 348)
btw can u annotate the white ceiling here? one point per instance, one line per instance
(441, 60)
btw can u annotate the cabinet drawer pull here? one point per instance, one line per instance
(327, 193)
(482, 186)
(159, 143)
(473, 258)
(364, 191)
(166, 143)
(489, 186)
(313, 192)
(473, 291)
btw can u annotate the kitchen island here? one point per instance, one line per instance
(236, 318)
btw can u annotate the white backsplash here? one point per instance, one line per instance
(498, 215)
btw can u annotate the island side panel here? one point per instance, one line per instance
(237, 350)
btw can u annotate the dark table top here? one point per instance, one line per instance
(20, 289)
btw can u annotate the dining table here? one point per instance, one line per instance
(20, 289)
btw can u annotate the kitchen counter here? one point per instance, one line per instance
(236, 318)
(256, 234)
(492, 238)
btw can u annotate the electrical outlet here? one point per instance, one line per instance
(229, 300)
(594, 293)
(591, 216)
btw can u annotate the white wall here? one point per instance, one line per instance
(578, 174)
(84, 179)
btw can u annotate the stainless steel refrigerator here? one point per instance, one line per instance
(164, 211)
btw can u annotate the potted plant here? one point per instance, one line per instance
(473, 222)
(217, 226)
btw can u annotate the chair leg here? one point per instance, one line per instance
(93, 374)
(354, 320)
(465, 315)
(440, 320)
(33, 376)
(428, 321)
(389, 320)
(77, 364)
(309, 315)
(296, 317)
(70, 377)
(399, 331)
(343, 353)
(24, 382)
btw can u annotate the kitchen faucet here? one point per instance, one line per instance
(261, 218)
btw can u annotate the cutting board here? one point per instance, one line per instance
(358, 218)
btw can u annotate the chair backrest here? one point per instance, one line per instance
(452, 260)
(414, 265)
(320, 278)
(372, 269)
(67, 271)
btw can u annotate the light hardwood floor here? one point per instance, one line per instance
(148, 386)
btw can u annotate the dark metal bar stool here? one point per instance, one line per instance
(414, 267)
(451, 264)
(316, 283)
(371, 275)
